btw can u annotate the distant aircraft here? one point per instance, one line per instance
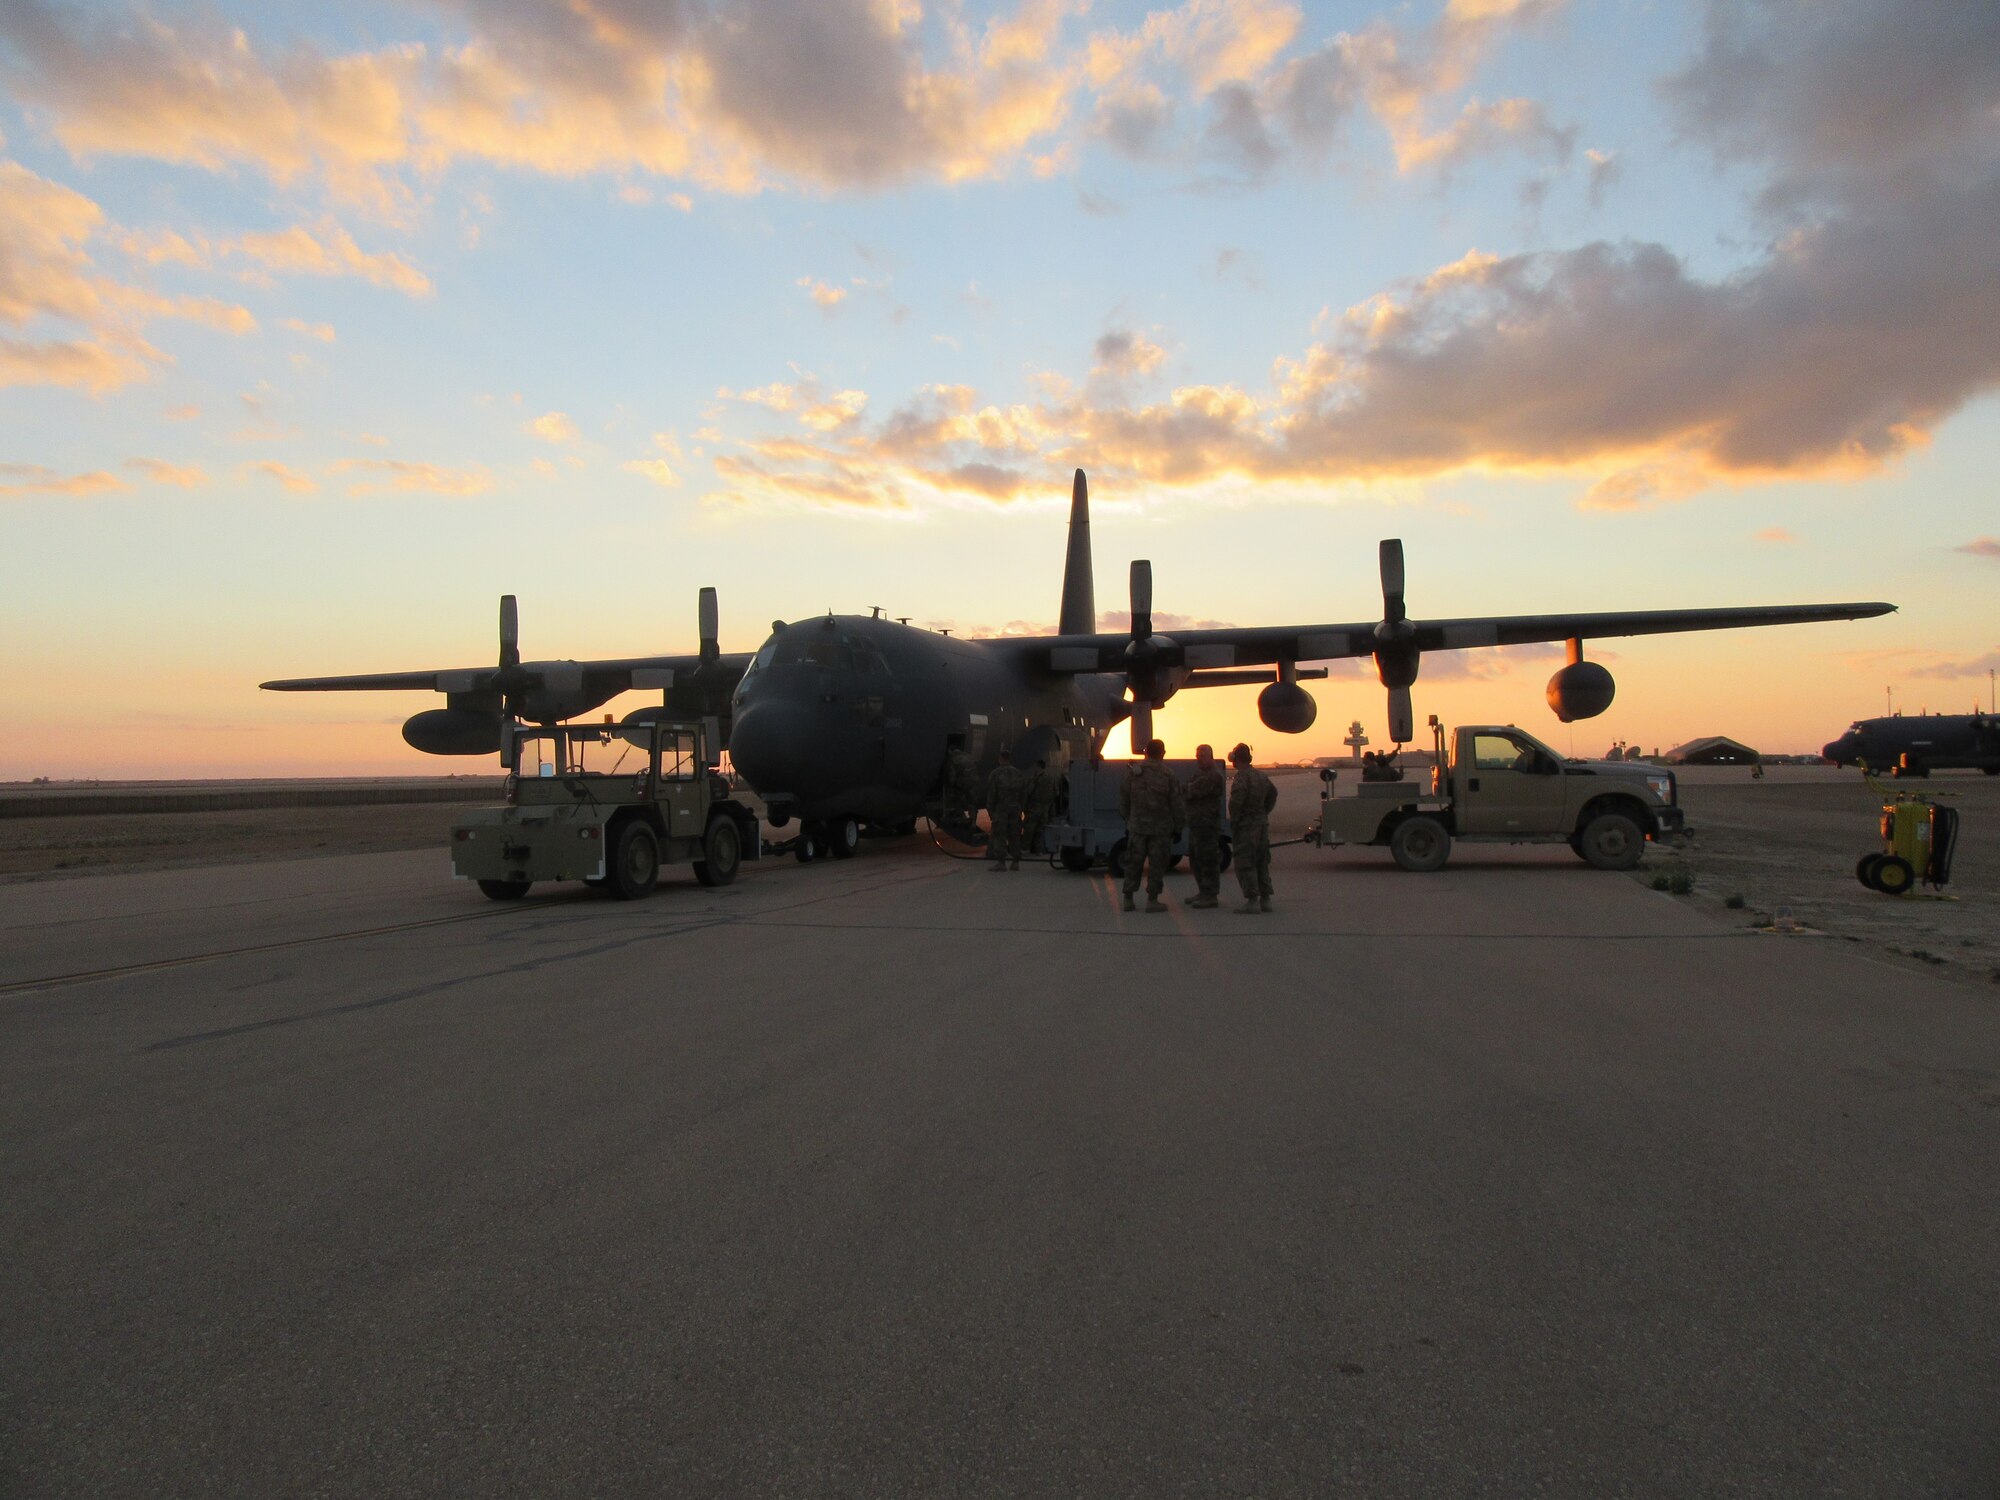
(845, 720)
(1916, 745)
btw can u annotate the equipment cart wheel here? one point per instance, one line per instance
(843, 837)
(1864, 869)
(721, 852)
(1420, 845)
(1895, 875)
(810, 843)
(504, 890)
(1114, 862)
(1074, 859)
(1612, 841)
(635, 862)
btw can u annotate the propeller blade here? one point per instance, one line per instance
(1142, 599)
(1142, 726)
(1390, 558)
(510, 632)
(1402, 718)
(711, 625)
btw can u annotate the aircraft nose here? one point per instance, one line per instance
(1837, 750)
(769, 745)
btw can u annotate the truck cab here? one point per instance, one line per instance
(607, 804)
(1496, 783)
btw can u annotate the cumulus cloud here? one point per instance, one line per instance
(553, 427)
(321, 331)
(1984, 546)
(1120, 351)
(737, 96)
(656, 469)
(329, 250)
(1775, 534)
(827, 296)
(71, 324)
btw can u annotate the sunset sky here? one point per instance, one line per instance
(322, 327)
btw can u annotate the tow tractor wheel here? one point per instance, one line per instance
(1114, 862)
(843, 837)
(635, 862)
(1420, 845)
(1074, 859)
(810, 844)
(504, 890)
(1612, 841)
(1864, 869)
(1894, 875)
(721, 852)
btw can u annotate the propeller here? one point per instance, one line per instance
(710, 625)
(1397, 654)
(1149, 659)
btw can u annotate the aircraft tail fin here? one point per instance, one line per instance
(1079, 594)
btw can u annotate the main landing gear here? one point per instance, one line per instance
(838, 838)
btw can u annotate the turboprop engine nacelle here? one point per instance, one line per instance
(1581, 690)
(1287, 708)
(453, 731)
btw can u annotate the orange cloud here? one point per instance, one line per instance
(34, 479)
(553, 427)
(321, 331)
(46, 276)
(290, 478)
(330, 251)
(406, 477)
(162, 472)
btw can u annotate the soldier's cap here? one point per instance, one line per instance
(1156, 749)
(1240, 756)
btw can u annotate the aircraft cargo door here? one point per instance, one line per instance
(1512, 786)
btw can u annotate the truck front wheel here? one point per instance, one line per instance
(635, 862)
(1420, 845)
(1611, 841)
(721, 852)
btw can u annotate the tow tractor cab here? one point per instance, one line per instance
(606, 804)
(1501, 785)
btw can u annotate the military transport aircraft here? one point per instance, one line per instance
(845, 720)
(1916, 745)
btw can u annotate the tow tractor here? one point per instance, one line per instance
(607, 804)
(1501, 785)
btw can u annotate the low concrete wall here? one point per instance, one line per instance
(70, 801)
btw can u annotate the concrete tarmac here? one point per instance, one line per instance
(895, 1176)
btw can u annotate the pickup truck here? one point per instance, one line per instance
(1501, 785)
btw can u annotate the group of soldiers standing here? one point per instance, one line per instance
(1156, 806)
(1018, 804)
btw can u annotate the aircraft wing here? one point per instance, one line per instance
(1262, 645)
(617, 674)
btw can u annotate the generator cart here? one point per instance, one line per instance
(1919, 837)
(1087, 826)
(606, 804)
(1501, 785)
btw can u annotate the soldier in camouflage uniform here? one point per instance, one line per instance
(1150, 801)
(1205, 794)
(960, 792)
(1039, 802)
(1004, 789)
(1251, 798)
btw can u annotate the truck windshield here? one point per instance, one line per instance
(579, 752)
